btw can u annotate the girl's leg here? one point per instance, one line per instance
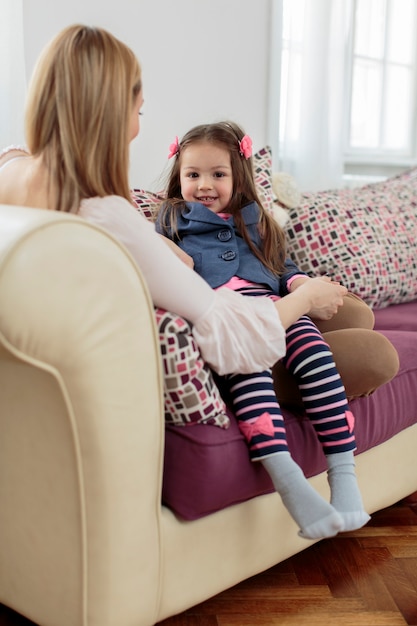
(364, 358)
(261, 422)
(310, 361)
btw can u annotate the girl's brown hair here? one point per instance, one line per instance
(78, 114)
(228, 136)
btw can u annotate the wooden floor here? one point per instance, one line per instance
(364, 578)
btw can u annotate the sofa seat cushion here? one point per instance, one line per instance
(207, 468)
(398, 317)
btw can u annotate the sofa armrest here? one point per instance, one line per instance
(81, 425)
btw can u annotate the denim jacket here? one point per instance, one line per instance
(220, 252)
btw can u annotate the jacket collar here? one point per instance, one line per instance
(199, 213)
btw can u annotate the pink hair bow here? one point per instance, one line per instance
(174, 148)
(245, 146)
(262, 426)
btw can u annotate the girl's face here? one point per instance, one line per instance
(134, 126)
(206, 175)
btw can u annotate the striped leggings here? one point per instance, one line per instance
(310, 361)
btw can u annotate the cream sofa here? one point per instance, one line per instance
(84, 539)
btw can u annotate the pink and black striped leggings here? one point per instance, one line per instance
(310, 361)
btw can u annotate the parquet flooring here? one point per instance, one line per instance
(364, 578)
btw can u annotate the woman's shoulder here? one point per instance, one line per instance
(111, 205)
(11, 153)
(13, 171)
(114, 213)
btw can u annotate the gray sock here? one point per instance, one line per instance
(316, 518)
(345, 495)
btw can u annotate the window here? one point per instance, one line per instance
(382, 118)
(291, 65)
(348, 97)
(313, 44)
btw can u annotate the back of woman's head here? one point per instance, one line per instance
(78, 113)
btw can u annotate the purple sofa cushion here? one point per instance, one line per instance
(207, 468)
(398, 317)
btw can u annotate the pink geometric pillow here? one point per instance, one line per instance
(190, 393)
(262, 168)
(365, 238)
(147, 202)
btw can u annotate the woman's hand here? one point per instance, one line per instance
(325, 312)
(319, 296)
(183, 256)
(326, 297)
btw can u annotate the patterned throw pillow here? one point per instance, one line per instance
(365, 238)
(190, 393)
(148, 202)
(262, 166)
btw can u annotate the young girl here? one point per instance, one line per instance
(214, 214)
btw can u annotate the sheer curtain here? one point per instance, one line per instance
(313, 88)
(12, 73)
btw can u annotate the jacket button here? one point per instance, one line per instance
(229, 255)
(224, 235)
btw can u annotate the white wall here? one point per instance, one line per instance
(202, 60)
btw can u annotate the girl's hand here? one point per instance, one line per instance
(183, 256)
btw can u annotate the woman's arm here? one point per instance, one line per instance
(183, 256)
(319, 313)
(248, 336)
(173, 285)
(317, 295)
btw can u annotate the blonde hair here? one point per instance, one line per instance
(78, 114)
(228, 135)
